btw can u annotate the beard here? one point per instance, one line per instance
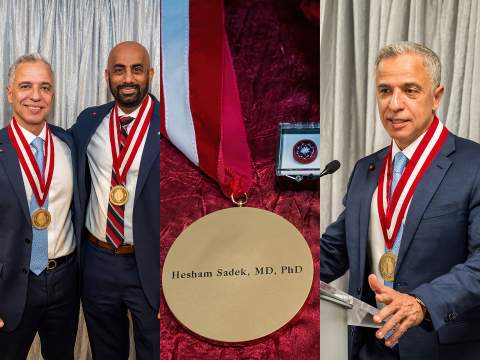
(130, 100)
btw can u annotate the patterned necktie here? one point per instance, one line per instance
(399, 163)
(115, 216)
(39, 255)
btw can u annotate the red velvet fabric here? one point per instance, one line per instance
(275, 54)
(311, 9)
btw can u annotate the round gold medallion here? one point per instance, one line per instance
(237, 275)
(41, 218)
(387, 265)
(118, 195)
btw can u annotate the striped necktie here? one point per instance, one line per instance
(115, 215)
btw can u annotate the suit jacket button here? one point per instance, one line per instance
(25, 271)
(27, 241)
(359, 291)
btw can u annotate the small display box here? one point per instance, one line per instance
(298, 158)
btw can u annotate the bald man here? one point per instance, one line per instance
(118, 148)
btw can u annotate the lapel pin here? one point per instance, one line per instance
(371, 167)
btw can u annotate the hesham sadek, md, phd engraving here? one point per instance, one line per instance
(234, 272)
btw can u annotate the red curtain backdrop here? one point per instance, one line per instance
(275, 49)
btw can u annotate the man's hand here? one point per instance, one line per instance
(1, 323)
(401, 312)
(158, 315)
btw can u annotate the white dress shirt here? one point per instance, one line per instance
(100, 163)
(376, 243)
(61, 237)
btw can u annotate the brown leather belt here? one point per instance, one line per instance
(125, 249)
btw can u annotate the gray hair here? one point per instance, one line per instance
(430, 59)
(27, 58)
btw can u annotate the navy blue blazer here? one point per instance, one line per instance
(439, 257)
(146, 208)
(16, 228)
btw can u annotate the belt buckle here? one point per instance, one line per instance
(52, 264)
(117, 251)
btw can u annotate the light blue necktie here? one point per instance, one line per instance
(399, 163)
(39, 257)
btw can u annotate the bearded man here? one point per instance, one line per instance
(118, 148)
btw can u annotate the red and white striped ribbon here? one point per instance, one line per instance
(40, 183)
(122, 159)
(392, 211)
(200, 105)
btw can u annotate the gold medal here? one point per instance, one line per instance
(41, 218)
(387, 265)
(237, 263)
(118, 195)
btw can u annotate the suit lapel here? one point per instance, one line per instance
(63, 135)
(9, 160)
(150, 150)
(91, 126)
(366, 202)
(426, 188)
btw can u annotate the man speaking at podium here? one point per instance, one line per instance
(410, 230)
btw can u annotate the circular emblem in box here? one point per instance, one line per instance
(305, 151)
(237, 275)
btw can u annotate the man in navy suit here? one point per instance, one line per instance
(39, 207)
(410, 230)
(118, 146)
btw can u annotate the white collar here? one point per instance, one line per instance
(30, 136)
(132, 114)
(410, 149)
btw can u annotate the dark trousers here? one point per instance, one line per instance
(110, 286)
(51, 308)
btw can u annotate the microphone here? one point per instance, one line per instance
(330, 168)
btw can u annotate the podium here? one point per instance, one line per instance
(333, 328)
(338, 310)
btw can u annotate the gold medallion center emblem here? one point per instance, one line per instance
(41, 218)
(387, 265)
(118, 195)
